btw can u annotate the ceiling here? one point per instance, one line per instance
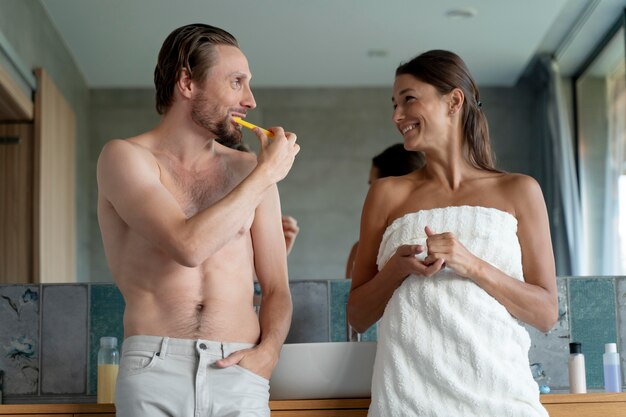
(321, 43)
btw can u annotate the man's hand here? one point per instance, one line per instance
(276, 155)
(256, 360)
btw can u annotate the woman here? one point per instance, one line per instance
(393, 161)
(453, 255)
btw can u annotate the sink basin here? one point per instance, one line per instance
(323, 370)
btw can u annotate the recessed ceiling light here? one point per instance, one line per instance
(461, 13)
(377, 53)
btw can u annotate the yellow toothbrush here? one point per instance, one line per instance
(251, 126)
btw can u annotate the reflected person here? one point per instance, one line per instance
(393, 161)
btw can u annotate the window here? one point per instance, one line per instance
(601, 134)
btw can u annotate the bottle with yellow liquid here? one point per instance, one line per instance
(108, 365)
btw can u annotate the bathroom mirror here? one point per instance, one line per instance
(321, 74)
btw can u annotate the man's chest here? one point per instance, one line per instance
(195, 191)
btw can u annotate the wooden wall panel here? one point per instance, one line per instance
(55, 189)
(16, 205)
(14, 103)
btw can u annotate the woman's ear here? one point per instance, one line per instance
(456, 98)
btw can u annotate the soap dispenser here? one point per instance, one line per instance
(612, 371)
(576, 365)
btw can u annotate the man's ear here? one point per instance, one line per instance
(184, 84)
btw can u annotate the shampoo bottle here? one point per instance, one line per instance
(577, 380)
(108, 365)
(612, 371)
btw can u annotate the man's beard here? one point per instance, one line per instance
(226, 133)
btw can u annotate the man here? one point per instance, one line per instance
(186, 224)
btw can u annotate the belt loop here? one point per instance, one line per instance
(161, 354)
(222, 347)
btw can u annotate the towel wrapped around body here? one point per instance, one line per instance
(445, 346)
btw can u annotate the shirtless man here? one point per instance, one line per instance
(186, 224)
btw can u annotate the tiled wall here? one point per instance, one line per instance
(49, 334)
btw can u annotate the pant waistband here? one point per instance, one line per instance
(186, 347)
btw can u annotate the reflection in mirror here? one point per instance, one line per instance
(601, 115)
(340, 128)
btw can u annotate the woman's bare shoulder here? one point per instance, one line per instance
(523, 192)
(516, 183)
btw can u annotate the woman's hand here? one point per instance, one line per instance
(446, 248)
(290, 231)
(404, 262)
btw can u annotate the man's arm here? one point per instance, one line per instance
(270, 260)
(129, 178)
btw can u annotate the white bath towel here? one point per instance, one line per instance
(445, 346)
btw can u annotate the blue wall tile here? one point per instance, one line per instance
(339, 290)
(371, 334)
(64, 339)
(19, 338)
(319, 316)
(620, 284)
(593, 322)
(106, 319)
